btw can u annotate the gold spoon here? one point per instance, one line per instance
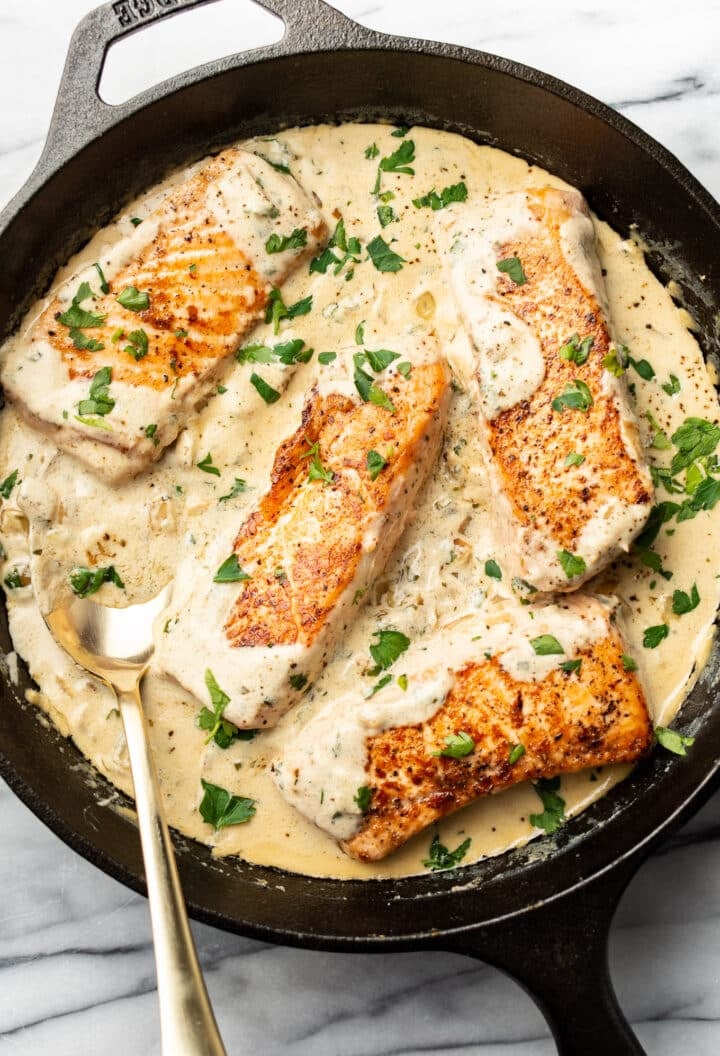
(116, 645)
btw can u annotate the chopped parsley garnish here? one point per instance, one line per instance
(546, 645)
(350, 250)
(13, 580)
(492, 569)
(135, 221)
(695, 438)
(370, 391)
(576, 396)
(230, 571)
(277, 309)
(287, 353)
(402, 681)
(150, 431)
(512, 267)
(268, 393)
(87, 581)
(652, 560)
(386, 215)
(659, 437)
(517, 751)
(380, 358)
(181, 332)
(384, 258)
(375, 464)
(521, 586)
(384, 681)
(671, 387)
(76, 317)
(574, 459)
(138, 346)
(360, 333)
(457, 192)
(219, 808)
(279, 243)
(673, 741)
(654, 635)
(683, 603)
(316, 470)
(576, 351)
(219, 729)
(104, 285)
(439, 857)
(372, 151)
(133, 299)
(206, 465)
(572, 564)
(457, 746)
(100, 401)
(8, 484)
(363, 798)
(404, 368)
(643, 368)
(298, 681)
(239, 486)
(399, 161)
(628, 663)
(401, 131)
(385, 651)
(327, 357)
(568, 666)
(616, 360)
(553, 814)
(85, 344)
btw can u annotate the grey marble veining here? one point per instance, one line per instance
(76, 967)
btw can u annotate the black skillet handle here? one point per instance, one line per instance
(558, 952)
(80, 115)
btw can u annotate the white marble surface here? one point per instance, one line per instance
(76, 967)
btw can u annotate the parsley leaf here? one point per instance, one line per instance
(546, 645)
(363, 798)
(577, 351)
(238, 488)
(370, 391)
(133, 299)
(327, 357)
(673, 741)
(575, 396)
(219, 808)
(298, 681)
(372, 151)
(8, 484)
(83, 343)
(492, 569)
(616, 360)
(399, 161)
(512, 267)
(695, 438)
(553, 814)
(219, 729)
(628, 663)
(659, 437)
(87, 581)
(206, 465)
(440, 857)
(380, 358)
(277, 309)
(457, 192)
(457, 746)
(386, 215)
(100, 401)
(375, 464)
(316, 470)
(230, 571)
(349, 247)
(268, 393)
(287, 353)
(384, 258)
(517, 751)
(643, 368)
(671, 387)
(76, 317)
(150, 431)
(682, 602)
(138, 346)
(654, 635)
(574, 459)
(279, 243)
(104, 287)
(568, 666)
(385, 651)
(572, 564)
(14, 580)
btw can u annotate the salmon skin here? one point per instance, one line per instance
(483, 682)
(571, 485)
(126, 351)
(315, 541)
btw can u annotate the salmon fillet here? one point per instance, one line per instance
(312, 545)
(571, 486)
(481, 678)
(114, 375)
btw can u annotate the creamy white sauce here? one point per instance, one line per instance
(437, 572)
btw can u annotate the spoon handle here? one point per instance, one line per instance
(187, 1022)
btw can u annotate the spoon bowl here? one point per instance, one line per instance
(116, 645)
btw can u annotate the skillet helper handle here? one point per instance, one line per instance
(80, 115)
(558, 952)
(187, 1023)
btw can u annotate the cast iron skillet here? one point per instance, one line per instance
(544, 918)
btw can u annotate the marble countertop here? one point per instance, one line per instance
(76, 964)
